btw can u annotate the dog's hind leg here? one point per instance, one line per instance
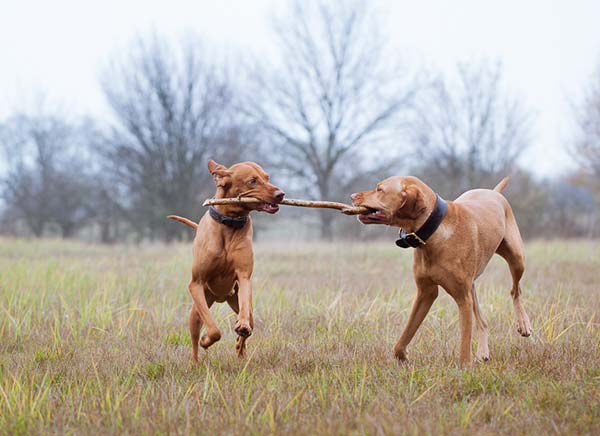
(483, 351)
(196, 326)
(511, 249)
(202, 302)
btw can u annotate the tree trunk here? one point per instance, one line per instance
(67, 231)
(171, 233)
(36, 227)
(105, 236)
(326, 218)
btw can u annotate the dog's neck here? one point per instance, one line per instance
(230, 210)
(442, 233)
(412, 225)
(421, 235)
(235, 223)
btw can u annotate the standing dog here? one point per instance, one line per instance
(453, 243)
(223, 257)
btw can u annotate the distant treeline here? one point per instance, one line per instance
(335, 112)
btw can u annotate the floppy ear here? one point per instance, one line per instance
(221, 174)
(413, 204)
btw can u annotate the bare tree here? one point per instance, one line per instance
(587, 145)
(71, 207)
(44, 182)
(29, 149)
(170, 104)
(333, 101)
(469, 131)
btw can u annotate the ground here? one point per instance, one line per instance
(94, 340)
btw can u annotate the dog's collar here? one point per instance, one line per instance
(229, 221)
(419, 238)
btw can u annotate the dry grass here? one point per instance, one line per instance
(93, 340)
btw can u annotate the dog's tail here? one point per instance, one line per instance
(185, 221)
(500, 186)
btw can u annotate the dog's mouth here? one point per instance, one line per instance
(374, 216)
(268, 207)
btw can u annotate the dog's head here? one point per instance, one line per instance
(394, 201)
(246, 179)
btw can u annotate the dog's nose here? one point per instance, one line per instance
(354, 196)
(279, 194)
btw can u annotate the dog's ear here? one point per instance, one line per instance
(220, 173)
(413, 204)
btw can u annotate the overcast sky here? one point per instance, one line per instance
(549, 48)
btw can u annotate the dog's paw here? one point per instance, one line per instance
(524, 328)
(210, 338)
(482, 357)
(524, 332)
(483, 352)
(243, 329)
(400, 354)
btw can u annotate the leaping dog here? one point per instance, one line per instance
(223, 258)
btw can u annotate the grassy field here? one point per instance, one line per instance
(94, 340)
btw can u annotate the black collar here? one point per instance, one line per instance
(419, 238)
(229, 221)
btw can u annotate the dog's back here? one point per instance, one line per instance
(487, 207)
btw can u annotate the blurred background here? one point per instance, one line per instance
(110, 111)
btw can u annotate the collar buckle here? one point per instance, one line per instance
(407, 240)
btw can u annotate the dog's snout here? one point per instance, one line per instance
(279, 194)
(354, 196)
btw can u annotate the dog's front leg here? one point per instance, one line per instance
(213, 334)
(426, 295)
(244, 324)
(240, 344)
(465, 314)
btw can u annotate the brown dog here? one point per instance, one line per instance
(223, 258)
(460, 237)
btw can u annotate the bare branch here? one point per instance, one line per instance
(332, 96)
(469, 130)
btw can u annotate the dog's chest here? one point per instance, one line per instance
(220, 271)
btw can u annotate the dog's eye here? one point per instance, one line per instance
(252, 182)
(379, 189)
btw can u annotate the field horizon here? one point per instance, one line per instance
(94, 339)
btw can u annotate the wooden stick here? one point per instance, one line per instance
(342, 207)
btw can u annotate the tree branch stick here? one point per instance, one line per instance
(342, 207)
